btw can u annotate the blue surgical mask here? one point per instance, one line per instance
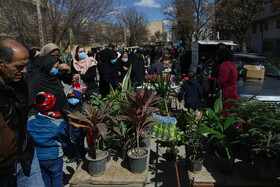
(54, 71)
(114, 61)
(73, 101)
(82, 55)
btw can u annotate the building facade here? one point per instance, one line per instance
(264, 33)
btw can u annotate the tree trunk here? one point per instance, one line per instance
(243, 47)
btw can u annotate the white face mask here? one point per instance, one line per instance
(124, 59)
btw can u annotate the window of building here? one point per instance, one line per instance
(267, 46)
(278, 24)
(255, 28)
(266, 26)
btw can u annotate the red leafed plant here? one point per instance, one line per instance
(95, 121)
(139, 111)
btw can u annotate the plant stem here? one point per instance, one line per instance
(137, 139)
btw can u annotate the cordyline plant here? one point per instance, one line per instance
(139, 111)
(95, 121)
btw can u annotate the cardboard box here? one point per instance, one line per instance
(253, 74)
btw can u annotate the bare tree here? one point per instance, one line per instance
(189, 17)
(62, 15)
(110, 33)
(237, 16)
(19, 21)
(135, 22)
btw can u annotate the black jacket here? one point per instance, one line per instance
(41, 81)
(13, 106)
(155, 68)
(192, 91)
(88, 77)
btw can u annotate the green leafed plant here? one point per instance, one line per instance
(139, 111)
(95, 121)
(162, 85)
(221, 129)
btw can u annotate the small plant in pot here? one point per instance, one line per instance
(264, 131)
(193, 142)
(139, 113)
(222, 133)
(162, 85)
(96, 122)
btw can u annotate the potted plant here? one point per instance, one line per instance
(261, 122)
(162, 85)
(194, 142)
(222, 133)
(139, 113)
(96, 122)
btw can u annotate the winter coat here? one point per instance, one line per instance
(155, 68)
(88, 77)
(192, 92)
(227, 76)
(13, 107)
(49, 136)
(8, 148)
(42, 81)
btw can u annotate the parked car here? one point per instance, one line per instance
(268, 91)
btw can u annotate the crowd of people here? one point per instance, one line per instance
(35, 131)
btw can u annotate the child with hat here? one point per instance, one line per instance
(75, 100)
(50, 135)
(192, 92)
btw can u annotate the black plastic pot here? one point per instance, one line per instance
(109, 155)
(195, 166)
(224, 165)
(137, 164)
(265, 166)
(124, 153)
(144, 139)
(96, 167)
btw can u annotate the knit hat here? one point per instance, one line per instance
(75, 91)
(46, 104)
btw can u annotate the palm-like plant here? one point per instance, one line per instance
(139, 110)
(95, 121)
(162, 85)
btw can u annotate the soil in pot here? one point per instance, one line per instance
(138, 163)
(96, 167)
(224, 165)
(265, 164)
(195, 166)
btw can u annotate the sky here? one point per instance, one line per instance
(152, 8)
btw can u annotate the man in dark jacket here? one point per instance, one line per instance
(13, 107)
(156, 66)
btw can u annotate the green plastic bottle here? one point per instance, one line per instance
(165, 133)
(172, 132)
(155, 129)
(160, 131)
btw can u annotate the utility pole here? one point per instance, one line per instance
(40, 23)
(124, 31)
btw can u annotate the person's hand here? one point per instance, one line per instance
(120, 84)
(76, 77)
(119, 73)
(37, 53)
(64, 66)
(125, 68)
